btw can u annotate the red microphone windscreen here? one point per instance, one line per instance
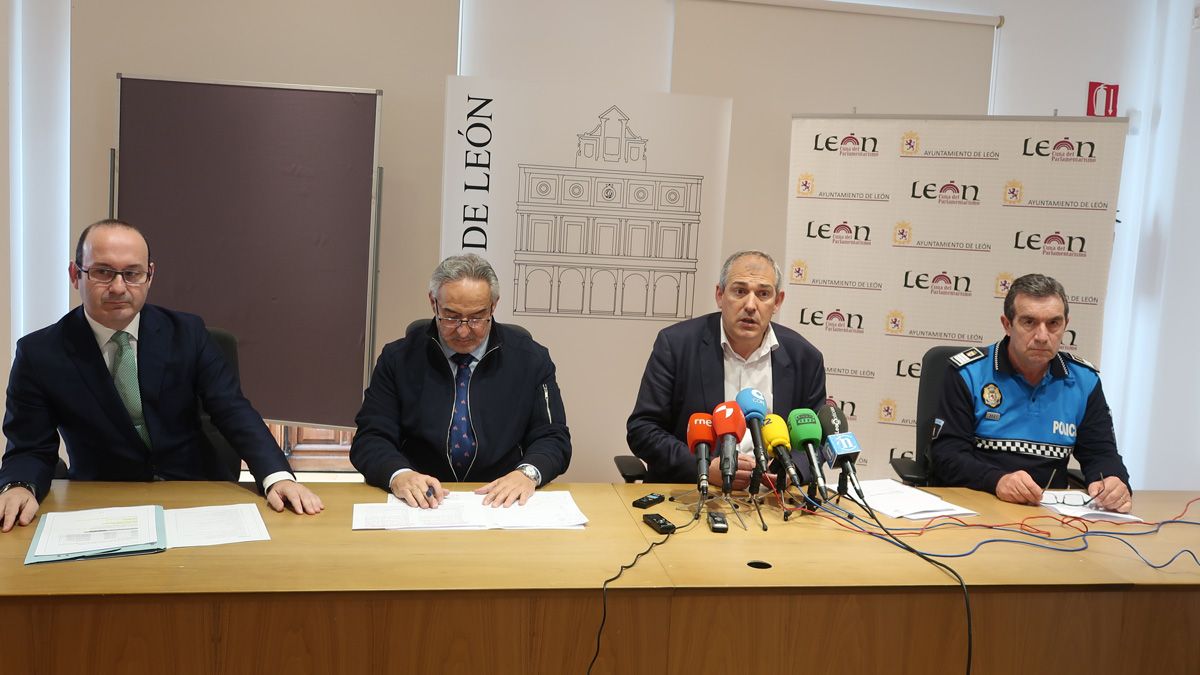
(728, 419)
(700, 430)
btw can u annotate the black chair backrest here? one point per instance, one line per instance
(934, 365)
(631, 468)
(229, 463)
(228, 343)
(423, 324)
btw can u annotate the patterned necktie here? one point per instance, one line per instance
(462, 436)
(126, 378)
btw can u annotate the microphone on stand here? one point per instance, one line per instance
(840, 448)
(754, 408)
(775, 437)
(729, 425)
(700, 439)
(806, 436)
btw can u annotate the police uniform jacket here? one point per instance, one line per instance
(992, 422)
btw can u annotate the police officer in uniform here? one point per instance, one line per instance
(1013, 413)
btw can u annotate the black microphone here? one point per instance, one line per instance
(729, 424)
(754, 408)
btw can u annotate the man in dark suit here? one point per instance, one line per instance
(466, 399)
(698, 363)
(122, 382)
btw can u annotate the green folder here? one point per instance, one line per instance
(158, 545)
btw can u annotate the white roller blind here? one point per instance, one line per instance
(776, 61)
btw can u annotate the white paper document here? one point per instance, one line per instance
(466, 511)
(1071, 503)
(898, 500)
(212, 525)
(66, 532)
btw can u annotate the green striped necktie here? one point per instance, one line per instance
(126, 379)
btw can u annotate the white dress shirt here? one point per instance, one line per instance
(753, 372)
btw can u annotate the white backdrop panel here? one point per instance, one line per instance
(903, 234)
(601, 211)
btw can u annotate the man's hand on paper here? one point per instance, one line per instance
(299, 497)
(512, 487)
(419, 490)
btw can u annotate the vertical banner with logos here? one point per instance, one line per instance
(601, 211)
(905, 233)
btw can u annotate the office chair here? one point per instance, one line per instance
(228, 462)
(913, 468)
(631, 468)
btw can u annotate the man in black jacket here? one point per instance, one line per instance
(465, 400)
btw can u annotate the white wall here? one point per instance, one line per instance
(35, 153)
(6, 337)
(621, 43)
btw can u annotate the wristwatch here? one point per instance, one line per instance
(23, 484)
(531, 473)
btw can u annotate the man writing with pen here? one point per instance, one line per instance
(1012, 414)
(464, 399)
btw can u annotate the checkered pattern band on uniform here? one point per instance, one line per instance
(1024, 447)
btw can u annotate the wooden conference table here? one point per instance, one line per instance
(321, 598)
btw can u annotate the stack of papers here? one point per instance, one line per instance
(466, 511)
(98, 533)
(898, 500)
(1054, 500)
(213, 525)
(130, 530)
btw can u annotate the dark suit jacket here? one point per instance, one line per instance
(515, 407)
(60, 385)
(686, 375)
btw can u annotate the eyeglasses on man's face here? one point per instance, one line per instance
(450, 323)
(106, 275)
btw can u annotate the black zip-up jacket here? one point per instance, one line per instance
(515, 407)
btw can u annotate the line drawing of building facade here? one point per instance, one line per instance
(606, 238)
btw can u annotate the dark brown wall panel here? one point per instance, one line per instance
(256, 202)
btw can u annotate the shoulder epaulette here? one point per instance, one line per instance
(967, 356)
(1079, 359)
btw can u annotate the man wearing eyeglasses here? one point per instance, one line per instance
(465, 399)
(123, 382)
(1012, 414)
